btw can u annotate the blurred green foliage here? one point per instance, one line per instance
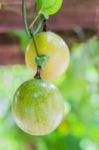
(79, 129)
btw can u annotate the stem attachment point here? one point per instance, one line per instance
(37, 75)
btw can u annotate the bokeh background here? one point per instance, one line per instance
(78, 25)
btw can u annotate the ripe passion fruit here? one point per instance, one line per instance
(55, 47)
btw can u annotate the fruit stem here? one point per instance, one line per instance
(33, 22)
(45, 25)
(28, 28)
(24, 14)
(35, 45)
(37, 75)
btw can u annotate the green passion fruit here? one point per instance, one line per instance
(38, 107)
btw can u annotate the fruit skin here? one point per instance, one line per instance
(53, 45)
(38, 107)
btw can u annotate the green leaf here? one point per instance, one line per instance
(39, 4)
(45, 3)
(53, 8)
(49, 7)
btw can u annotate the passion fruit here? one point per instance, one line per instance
(38, 107)
(49, 43)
